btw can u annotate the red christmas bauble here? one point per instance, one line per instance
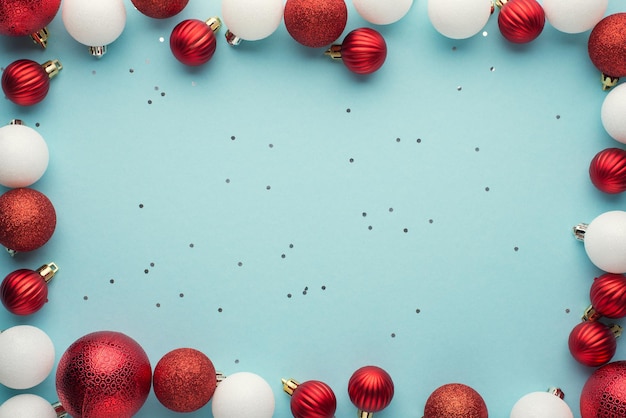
(363, 51)
(103, 374)
(25, 291)
(521, 21)
(604, 393)
(184, 380)
(315, 23)
(27, 219)
(592, 343)
(25, 17)
(160, 9)
(608, 170)
(608, 295)
(455, 400)
(26, 82)
(370, 389)
(193, 42)
(607, 45)
(313, 399)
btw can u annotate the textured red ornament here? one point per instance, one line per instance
(315, 23)
(455, 400)
(604, 393)
(592, 343)
(608, 295)
(608, 170)
(363, 51)
(313, 399)
(160, 9)
(184, 380)
(27, 219)
(26, 82)
(370, 389)
(25, 291)
(607, 45)
(193, 42)
(521, 21)
(102, 375)
(25, 17)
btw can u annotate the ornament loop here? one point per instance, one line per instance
(579, 231)
(608, 81)
(334, 52)
(47, 271)
(40, 37)
(557, 392)
(289, 386)
(52, 67)
(591, 314)
(98, 51)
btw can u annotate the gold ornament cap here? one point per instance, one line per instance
(557, 392)
(40, 37)
(98, 51)
(334, 52)
(608, 81)
(289, 386)
(52, 67)
(47, 271)
(59, 410)
(591, 314)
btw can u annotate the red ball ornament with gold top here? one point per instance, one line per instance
(160, 9)
(25, 291)
(311, 399)
(608, 170)
(193, 41)
(28, 17)
(607, 48)
(593, 343)
(455, 400)
(608, 297)
(604, 393)
(25, 82)
(520, 21)
(371, 390)
(363, 51)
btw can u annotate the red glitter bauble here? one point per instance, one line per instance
(25, 291)
(25, 82)
(315, 23)
(193, 42)
(604, 393)
(608, 170)
(607, 45)
(160, 9)
(25, 17)
(370, 389)
(363, 51)
(27, 219)
(608, 295)
(521, 21)
(102, 375)
(455, 400)
(592, 343)
(313, 399)
(184, 380)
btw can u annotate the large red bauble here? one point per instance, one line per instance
(592, 343)
(608, 170)
(363, 51)
(27, 219)
(102, 375)
(521, 21)
(313, 399)
(608, 295)
(25, 17)
(315, 23)
(25, 82)
(604, 393)
(193, 42)
(25, 291)
(160, 9)
(370, 389)
(455, 400)
(607, 45)
(184, 380)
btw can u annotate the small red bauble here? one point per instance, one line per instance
(27, 17)
(315, 23)
(25, 291)
(160, 9)
(370, 389)
(27, 219)
(608, 295)
(311, 399)
(604, 393)
(26, 82)
(184, 380)
(521, 21)
(608, 170)
(455, 400)
(102, 375)
(363, 51)
(607, 45)
(193, 41)
(592, 343)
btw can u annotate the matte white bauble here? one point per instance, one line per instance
(27, 406)
(382, 12)
(605, 241)
(243, 395)
(459, 19)
(574, 16)
(23, 156)
(613, 113)
(541, 405)
(95, 23)
(251, 20)
(26, 357)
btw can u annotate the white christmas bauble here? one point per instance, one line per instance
(605, 241)
(613, 113)
(541, 405)
(382, 12)
(243, 395)
(26, 357)
(252, 20)
(23, 156)
(574, 16)
(94, 22)
(459, 19)
(27, 406)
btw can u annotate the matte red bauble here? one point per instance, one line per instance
(363, 51)
(607, 45)
(592, 343)
(102, 375)
(27, 219)
(604, 393)
(193, 41)
(455, 400)
(26, 82)
(184, 380)
(160, 9)
(315, 23)
(25, 291)
(27, 17)
(521, 21)
(371, 390)
(608, 295)
(608, 170)
(311, 399)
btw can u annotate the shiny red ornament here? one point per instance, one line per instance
(25, 291)
(28, 17)
(455, 400)
(371, 390)
(27, 219)
(315, 23)
(363, 51)
(521, 21)
(102, 375)
(26, 82)
(193, 41)
(160, 9)
(604, 393)
(608, 295)
(311, 399)
(608, 170)
(592, 343)
(607, 45)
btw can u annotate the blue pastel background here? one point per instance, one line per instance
(291, 219)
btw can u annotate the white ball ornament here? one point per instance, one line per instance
(382, 12)
(24, 156)
(613, 113)
(459, 19)
(251, 20)
(27, 406)
(541, 405)
(243, 395)
(26, 357)
(574, 16)
(605, 241)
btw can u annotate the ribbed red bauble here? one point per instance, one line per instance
(27, 17)
(363, 51)
(25, 291)
(371, 390)
(607, 45)
(608, 295)
(604, 393)
(25, 82)
(315, 23)
(311, 399)
(592, 343)
(102, 375)
(455, 400)
(184, 380)
(193, 41)
(608, 170)
(521, 21)
(160, 9)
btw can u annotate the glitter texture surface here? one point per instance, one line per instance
(604, 394)
(24, 17)
(455, 400)
(160, 9)
(607, 45)
(27, 219)
(315, 23)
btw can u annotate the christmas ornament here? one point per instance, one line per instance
(23, 155)
(542, 405)
(604, 393)
(593, 343)
(27, 357)
(160, 9)
(24, 291)
(370, 389)
(612, 113)
(251, 20)
(607, 48)
(103, 374)
(608, 170)
(30, 406)
(574, 16)
(315, 23)
(311, 399)
(243, 395)
(26, 82)
(608, 297)
(28, 17)
(27, 220)
(363, 51)
(455, 400)
(184, 380)
(382, 12)
(459, 19)
(95, 23)
(193, 41)
(605, 241)
(520, 21)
